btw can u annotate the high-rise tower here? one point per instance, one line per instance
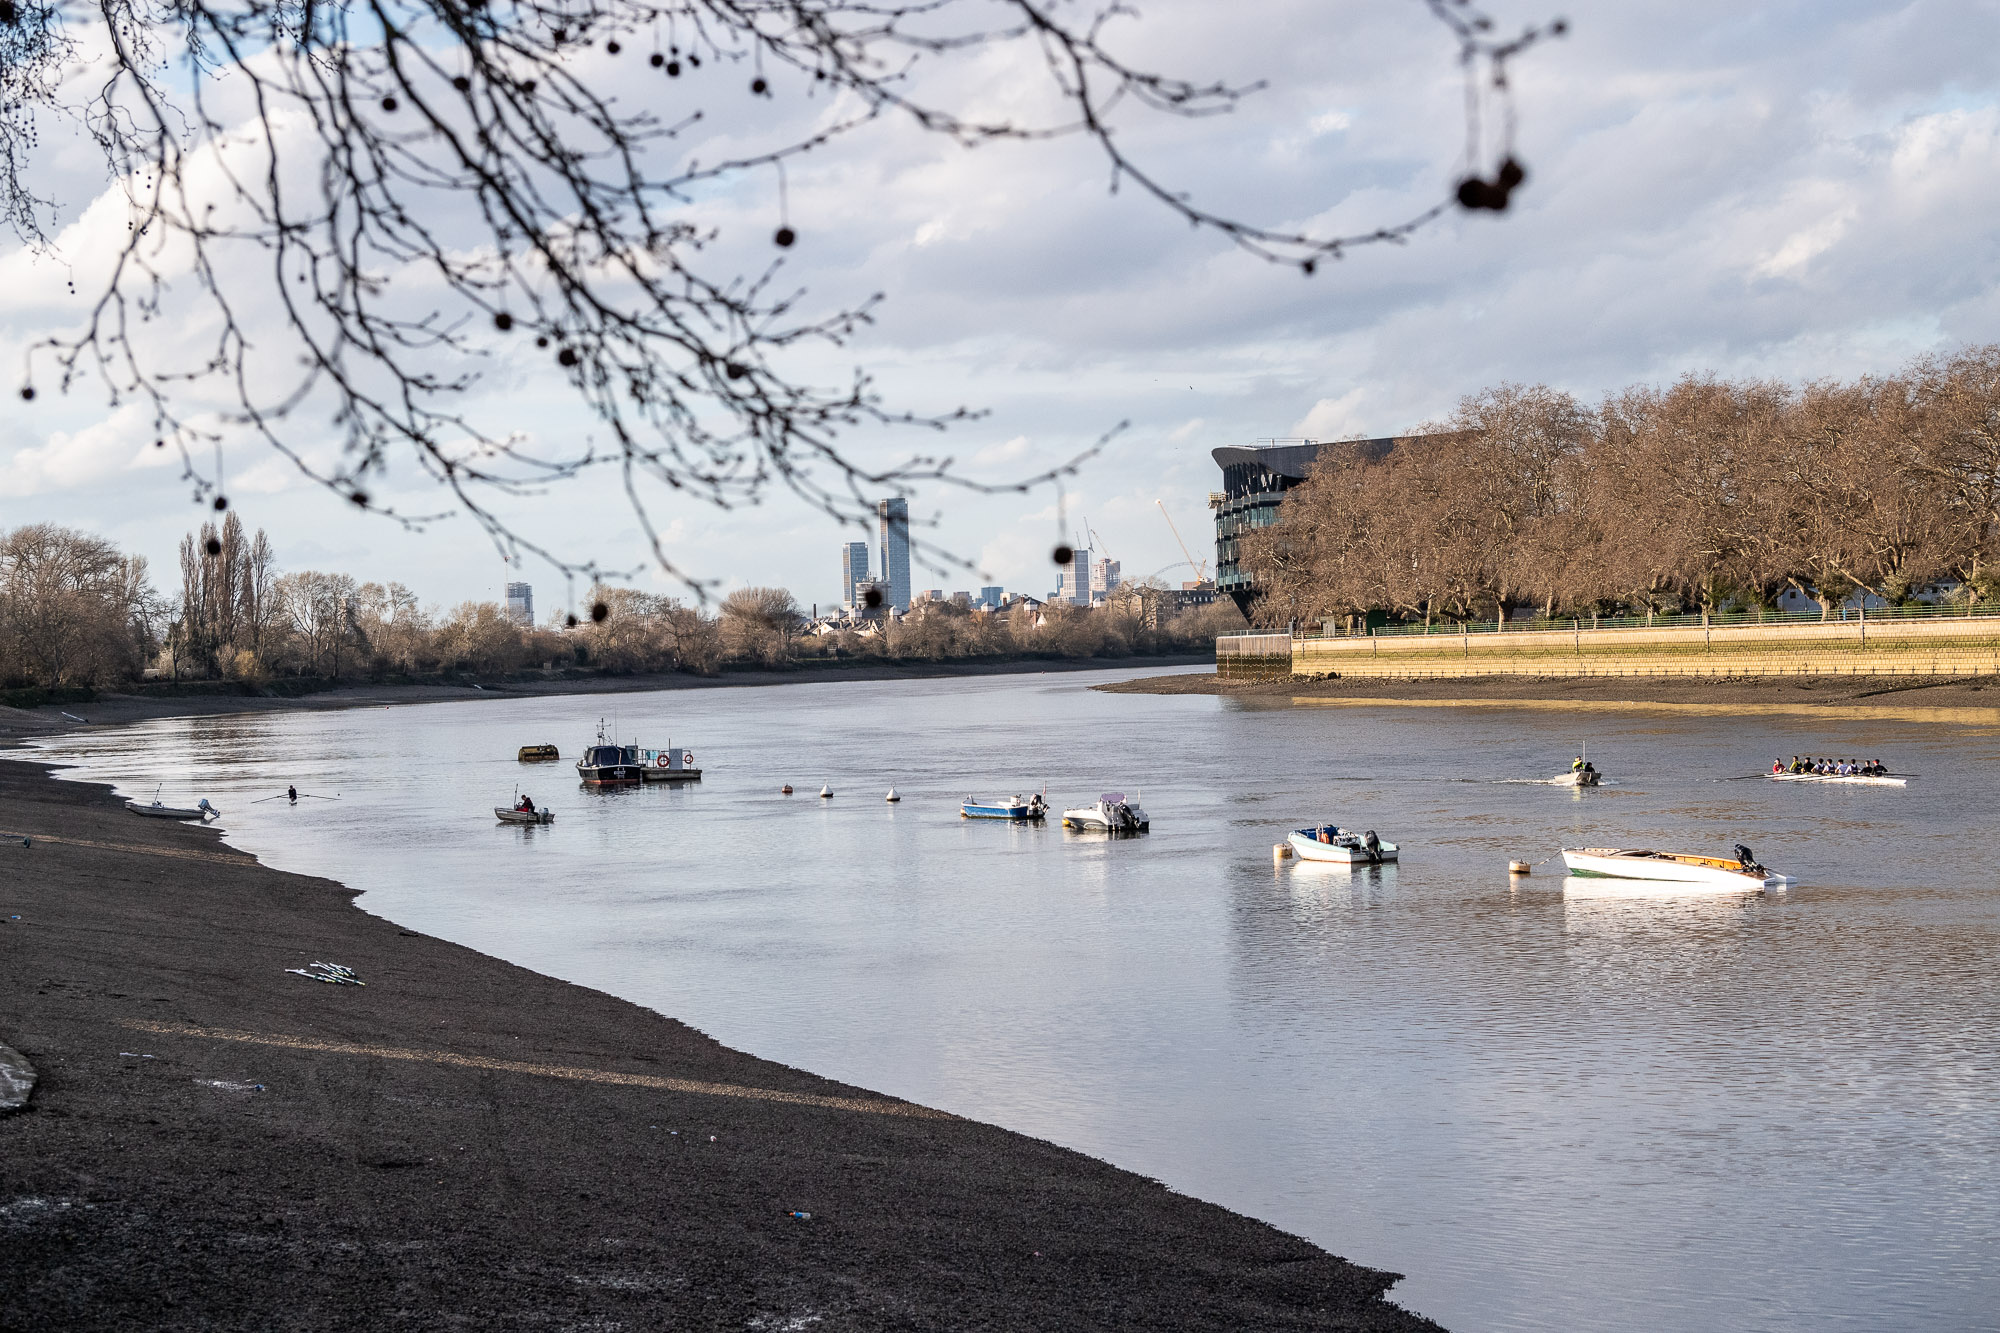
(521, 605)
(893, 520)
(853, 571)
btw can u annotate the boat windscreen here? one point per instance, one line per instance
(1112, 797)
(604, 754)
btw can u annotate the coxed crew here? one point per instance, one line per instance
(1830, 768)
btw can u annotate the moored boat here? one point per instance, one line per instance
(609, 764)
(1017, 808)
(539, 754)
(1329, 842)
(1738, 874)
(1110, 813)
(507, 816)
(159, 810)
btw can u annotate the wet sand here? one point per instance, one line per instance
(218, 1143)
(1902, 695)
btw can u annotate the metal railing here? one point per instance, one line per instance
(1713, 620)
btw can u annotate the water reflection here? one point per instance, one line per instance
(1551, 1109)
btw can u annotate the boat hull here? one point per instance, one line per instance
(1019, 812)
(507, 816)
(1574, 779)
(164, 811)
(1308, 848)
(1850, 779)
(1693, 872)
(539, 754)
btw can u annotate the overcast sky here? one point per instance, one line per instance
(1798, 190)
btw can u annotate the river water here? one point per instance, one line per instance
(1552, 1111)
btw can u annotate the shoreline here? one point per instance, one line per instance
(215, 1141)
(111, 708)
(1914, 698)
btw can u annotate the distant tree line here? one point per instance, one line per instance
(74, 610)
(1707, 495)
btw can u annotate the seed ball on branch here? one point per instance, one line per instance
(656, 60)
(390, 104)
(212, 546)
(221, 503)
(612, 48)
(27, 393)
(785, 237)
(734, 371)
(599, 612)
(503, 321)
(567, 356)
(1063, 554)
(758, 86)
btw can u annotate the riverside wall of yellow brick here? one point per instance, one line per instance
(1946, 646)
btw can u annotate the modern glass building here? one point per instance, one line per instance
(893, 520)
(1255, 478)
(521, 604)
(991, 596)
(853, 571)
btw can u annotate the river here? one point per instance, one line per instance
(1773, 1112)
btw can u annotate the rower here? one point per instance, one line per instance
(1777, 765)
(293, 793)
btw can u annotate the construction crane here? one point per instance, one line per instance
(1200, 567)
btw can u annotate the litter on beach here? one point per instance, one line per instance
(803, 1217)
(227, 1086)
(332, 973)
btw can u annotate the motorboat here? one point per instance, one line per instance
(1015, 808)
(609, 764)
(542, 815)
(159, 810)
(1586, 776)
(1720, 874)
(1111, 813)
(1331, 843)
(539, 754)
(1849, 779)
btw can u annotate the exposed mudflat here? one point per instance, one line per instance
(1748, 692)
(216, 1142)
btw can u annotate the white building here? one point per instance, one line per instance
(521, 605)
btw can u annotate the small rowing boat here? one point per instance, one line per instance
(541, 816)
(1719, 874)
(1578, 777)
(1849, 779)
(1343, 846)
(1019, 809)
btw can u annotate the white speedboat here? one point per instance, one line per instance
(1738, 874)
(1850, 779)
(1328, 843)
(1111, 813)
(159, 810)
(1576, 777)
(506, 816)
(1020, 808)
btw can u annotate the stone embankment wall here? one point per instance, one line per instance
(1929, 647)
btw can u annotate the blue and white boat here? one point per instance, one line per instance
(1018, 808)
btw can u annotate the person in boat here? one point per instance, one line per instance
(1576, 764)
(293, 793)
(1777, 765)
(527, 805)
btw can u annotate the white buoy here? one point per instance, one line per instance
(1517, 867)
(892, 798)
(1281, 851)
(825, 793)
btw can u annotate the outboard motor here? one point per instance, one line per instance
(1373, 846)
(1743, 854)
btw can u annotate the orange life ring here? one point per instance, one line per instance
(662, 760)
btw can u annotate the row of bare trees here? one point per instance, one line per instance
(75, 611)
(1702, 496)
